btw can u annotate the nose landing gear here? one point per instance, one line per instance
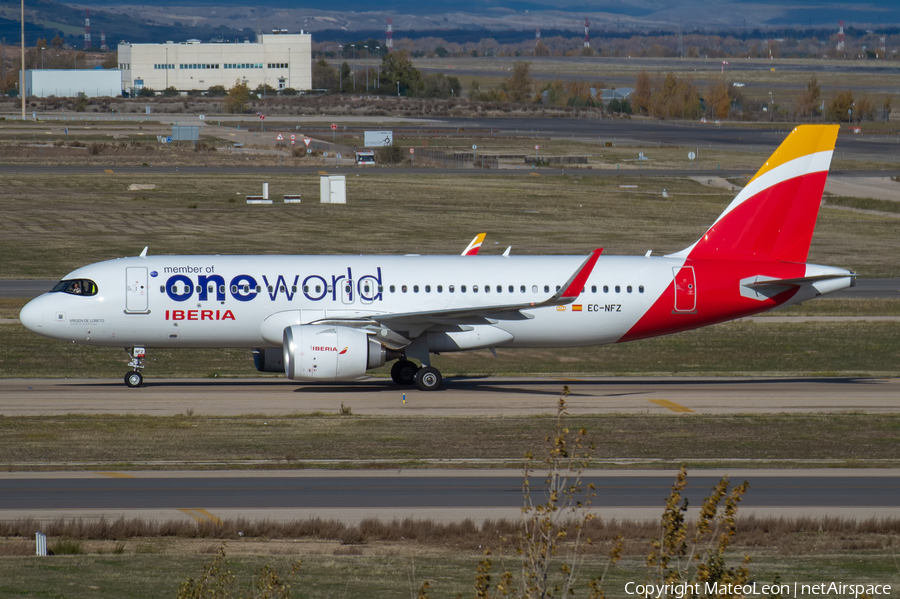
(134, 378)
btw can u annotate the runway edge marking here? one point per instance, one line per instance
(670, 405)
(115, 475)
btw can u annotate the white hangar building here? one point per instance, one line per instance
(279, 59)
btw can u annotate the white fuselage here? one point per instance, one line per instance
(224, 301)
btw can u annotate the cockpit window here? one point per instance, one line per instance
(76, 287)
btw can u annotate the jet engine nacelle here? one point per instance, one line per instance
(268, 359)
(329, 353)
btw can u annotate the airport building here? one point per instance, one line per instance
(68, 83)
(279, 59)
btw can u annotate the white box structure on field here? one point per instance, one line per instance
(333, 189)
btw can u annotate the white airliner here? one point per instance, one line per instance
(327, 318)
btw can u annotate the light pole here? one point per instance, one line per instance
(367, 69)
(352, 48)
(22, 78)
(42, 58)
(377, 70)
(353, 72)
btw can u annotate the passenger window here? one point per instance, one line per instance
(534, 289)
(187, 289)
(593, 289)
(306, 289)
(522, 289)
(281, 288)
(162, 288)
(427, 288)
(318, 289)
(474, 288)
(500, 288)
(450, 288)
(293, 289)
(641, 289)
(628, 289)
(269, 288)
(258, 289)
(487, 288)
(403, 288)
(234, 289)
(606, 289)
(557, 287)
(392, 288)
(439, 289)
(618, 289)
(462, 288)
(512, 288)
(415, 289)
(380, 289)
(546, 288)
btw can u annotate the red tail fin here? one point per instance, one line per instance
(775, 214)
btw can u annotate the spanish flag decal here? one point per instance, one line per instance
(576, 307)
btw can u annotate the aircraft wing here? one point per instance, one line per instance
(419, 321)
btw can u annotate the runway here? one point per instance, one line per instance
(427, 494)
(464, 397)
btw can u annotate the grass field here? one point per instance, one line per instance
(305, 440)
(79, 219)
(737, 348)
(155, 568)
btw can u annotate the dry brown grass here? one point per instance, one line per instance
(782, 536)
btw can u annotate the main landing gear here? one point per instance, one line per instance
(135, 378)
(406, 373)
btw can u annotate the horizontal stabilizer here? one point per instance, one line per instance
(795, 282)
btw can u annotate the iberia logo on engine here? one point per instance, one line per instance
(328, 348)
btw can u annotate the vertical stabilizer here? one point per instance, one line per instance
(775, 214)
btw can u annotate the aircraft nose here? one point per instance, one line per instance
(32, 316)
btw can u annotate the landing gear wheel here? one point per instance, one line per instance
(404, 372)
(134, 379)
(428, 378)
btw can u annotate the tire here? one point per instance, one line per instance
(134, 379)
(428, 378)
(403, 372)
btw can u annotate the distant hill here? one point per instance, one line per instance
(507, 21)
(649, 13)
(46, 19)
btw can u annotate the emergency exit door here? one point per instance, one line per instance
(136, 290)
(685, 289)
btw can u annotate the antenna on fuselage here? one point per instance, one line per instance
(144, 253)
(506, 253)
